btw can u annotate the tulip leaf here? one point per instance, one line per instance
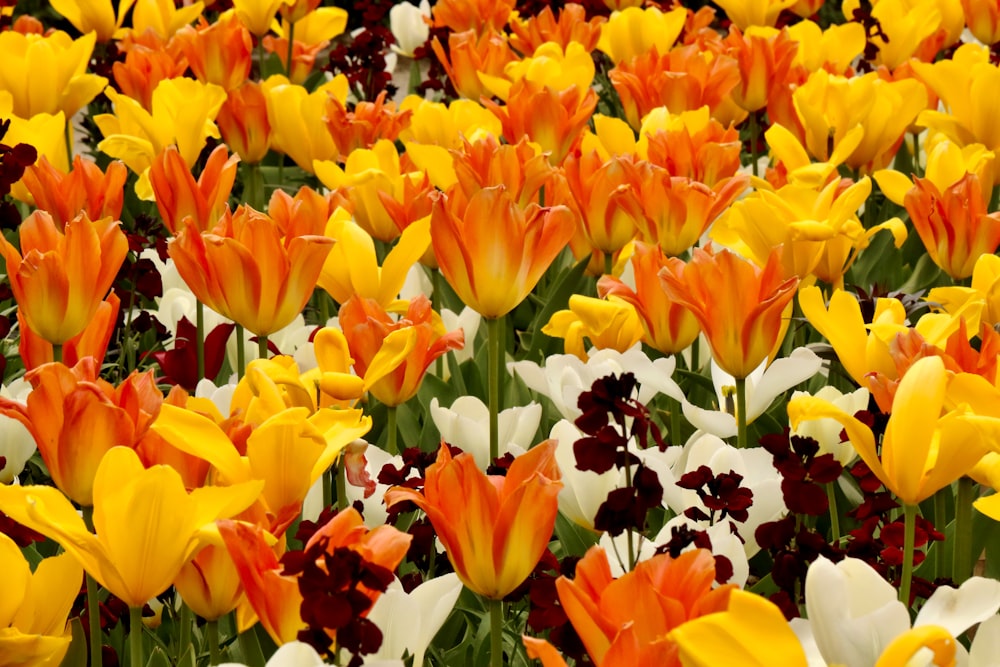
(76, 656)
(158, 658)
(556, 299)
(186, 658)
(574, 540)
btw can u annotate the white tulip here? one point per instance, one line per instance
(466, 425)
(406, 21)
(409, 621)
(16, 442)
(827, 431)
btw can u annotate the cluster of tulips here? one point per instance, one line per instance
(619, 332)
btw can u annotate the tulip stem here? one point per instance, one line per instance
(199, 343)
(93, 601)
(291, 50)
(436, 306)
(327, 482)
(262, 351)
(963, 530)
(496, 633)
(342, 503)
(259, 47)
(241, 357)
(185, 620)
(754, 132)
(940, 522)
(493, 374)
(909, 536)
(136, 659)
(254, 189)
(57, 353)
(68, 133)
(741, 413)
(212, 637)
(831, 498)
(609, 263)
(675, 421)
(390, 443)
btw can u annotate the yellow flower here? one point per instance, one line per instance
(183, 113)
(257, 15)
(296, 118)
(352, 266)
(905, 26)
(147, 524)
(745, 13)
(34, 606)
(46, 132)
(837, 46)
(549, 66)
(924, 448)
(634, 31)
(48, 74)
(985, 287)
(94, 15)
(947, 164)
(163, 17)
(610, 323)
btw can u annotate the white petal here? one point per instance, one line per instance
(295, 654)
(781, 376)
(986, 645)
(958, 610)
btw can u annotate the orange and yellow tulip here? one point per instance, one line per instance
(59, 278)
(219, 52)
(493, 252)
(242, 120)
(495, 529)
(392, 356)
(606, 195)
(99, 194)
(366, 124)
(529, 33)
(294, 113)
(482, 15)
(250, 270)
(764, 57)
(610, 323)
(180, 197)
(469, 55)
(983, 20)
(148, 60)
(91, 342)
(147, 525)
(745, 326)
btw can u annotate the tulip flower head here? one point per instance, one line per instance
(100, 194)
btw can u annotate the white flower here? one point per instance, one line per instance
(827, 431)
(222, 396)
(583, 491)
(374, 510)
(409, 621)
(408, 26)
(759, 475)
(466, 425)
(763, 385)
(468, 320)
(298, 654)
(854, 614)
(616, 549)
(16, 442)
(564, 376)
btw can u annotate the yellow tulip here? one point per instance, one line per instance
(97, 16)
(905, 25)
(295, 114)
(835, 48)
(634, 31)
(163, 17)
(985, 287)
(183, 113)
(257, 15)
(46, 132)
(34, 606)
(147, 525)
(352, 266)
(924, 448)
(947, 164)
(610, 323)
(48, 74)
(745, 13)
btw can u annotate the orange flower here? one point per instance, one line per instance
(693, 145)
(59, 279)
(249, 269)
(148, 61)
(218, 53)
(85, 188)
(471, 54)
(983, 19)
(625, 621)
(954, 225)
(392, 356)
(682, 79)
(486, 163)
(571, 26)
(303, 56)
(91, 342)
(242, 120)
(75, 417)
(493, 252)
(606, 193)
(677, 210)
(742, 309)
(178, 196)
(554, 119)
(482, 15)
(275, 597)
(495, 529)
(764, 59)
(367, 124)
(670, 327)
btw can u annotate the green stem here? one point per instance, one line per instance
(391, 430)
(496, 633)
(493, 375)
(675, 421)
(754, 133)
(940, 522)
(241, 356)
(68, 133)
(963, 530)
(415, 78)
(259, 47)
(185, 622)
(291, 50)
(695, 355)
(628, 532)
(909, 532)
(916, 154)
(328, 486)
(831, 498)
(342, 503)
(93, 600)
(609, 263)
(199, 342)
(212, 638)
(741, 413)
(252, 655)
(136, 659)
(324, 307)
(262, 352)
(57, 353)
(254, 188)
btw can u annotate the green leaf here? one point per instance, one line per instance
(76, 656)
(158, 658)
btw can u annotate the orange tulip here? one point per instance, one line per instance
(85, 188)
(469, 55)
(493, 252)
(178, 196)
(572, 26)
(274, 596)
(218, 53)
(606, 193)
(60, 278)
(365, 125)
(75, 417)
(742, 309)
(691, 144)
(983, 19)
(242, 120)
(459, 15)
(495, 529)
(392, 356)
(670, 327)
(91, 342)
(486, 162)
(148, 61)
(764, 59)
(250, 270)
(625, 621)
(953, 225)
